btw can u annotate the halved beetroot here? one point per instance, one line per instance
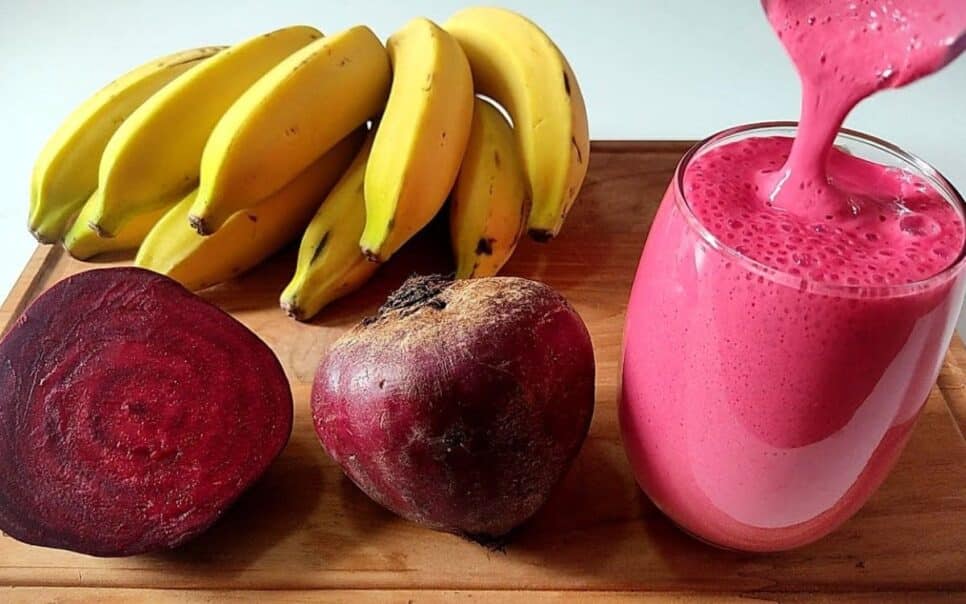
(132, 414)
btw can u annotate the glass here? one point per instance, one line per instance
(761, 410)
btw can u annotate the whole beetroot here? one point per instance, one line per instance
(461, 404)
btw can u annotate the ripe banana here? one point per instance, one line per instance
(489, 206)
(153, 159)
(420, 139)
(518, 65)
(83, 242)
(173, 248)
(330, 264)
(295, 113)
(65, 174)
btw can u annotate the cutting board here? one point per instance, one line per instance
(306, 533)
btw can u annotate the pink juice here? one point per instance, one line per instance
(796, 296)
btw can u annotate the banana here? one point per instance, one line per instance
(153, 159)
(517, 64)
(65, 174)
(330, 264)
(420, 139)
(83, 242)
(295, 113)
(173, 248)
(489, 206)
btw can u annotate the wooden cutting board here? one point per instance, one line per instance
(305, 528)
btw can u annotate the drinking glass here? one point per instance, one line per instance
(759, 409)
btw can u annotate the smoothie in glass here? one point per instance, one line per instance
(796, 294)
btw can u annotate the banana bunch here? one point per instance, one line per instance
(247, 238)
(65, 174)
(210, 160)
(515, 63)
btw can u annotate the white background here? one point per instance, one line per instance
(649, 69)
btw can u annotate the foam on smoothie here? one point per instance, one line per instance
(804, 207)
(895, 228)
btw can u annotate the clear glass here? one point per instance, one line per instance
(761, 410)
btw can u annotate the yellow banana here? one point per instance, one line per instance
(295, 113)
(153, 159)
(420, 139)
(330, 264)
(489, 206)
(83, 242)
(518, 65)
(65, 174)
(173, 248)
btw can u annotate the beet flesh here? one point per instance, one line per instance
(461, 404)
(132, 414)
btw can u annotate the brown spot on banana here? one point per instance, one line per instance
(580, 156)
(484, 247)
(321, 246)
(496, 158)
(199, 225)
(566, 82)
(99, 230)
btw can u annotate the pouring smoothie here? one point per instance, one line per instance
(845, 51)
(796, 294)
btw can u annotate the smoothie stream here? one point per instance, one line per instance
(794, 301)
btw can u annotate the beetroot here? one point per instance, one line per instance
(132, 414)
(460, 404)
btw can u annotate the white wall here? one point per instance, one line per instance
(649, 69)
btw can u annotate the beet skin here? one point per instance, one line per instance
(132, 414)
(461, 404)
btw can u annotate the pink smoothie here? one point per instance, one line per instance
(793, 302)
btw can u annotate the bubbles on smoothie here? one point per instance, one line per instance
(917, 225)
(891, 228)
(803, 259)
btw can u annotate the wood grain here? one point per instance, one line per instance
(304, 527)
(70, 595)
